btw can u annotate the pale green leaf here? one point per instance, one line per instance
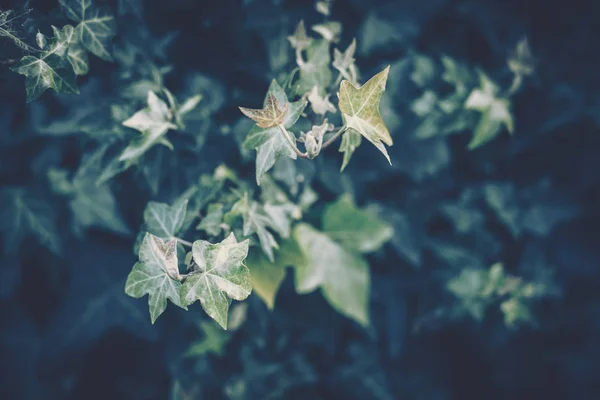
(66, 42)
(153, 122)
(21, 216)
(344, 62)
(330, 30)
(221, 275)
(351, 139)
(49, 71)
(342, 276)
(315, 71)
(156, 275)
(299, 40)
(360, 110)
(214, 340)
(266, 276)
(320, 104)
(96, 25)
(163, 220)
(355, 229)
(211, 222)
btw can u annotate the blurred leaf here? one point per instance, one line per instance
(96, 25)
(211, 222)
(25, 216)
(355, 229)
(343, 277)
(214, 340)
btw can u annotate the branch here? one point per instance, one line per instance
(334, 137)
(183, 242)
(291, 142)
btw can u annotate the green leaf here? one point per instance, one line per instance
(24, 215)
(211, 223)
(214, 340)
(163, 220)
(94, 205)
(96, 25)
(344, 62)
(299, 40)
(360, 110)
(315, 71)
(153, 122)
(66, 42)
(355, 229)
(271, 143)
(495, 112)
(156, 274)
(351, 139)
(330, 30)
(221, 274)
(49, 71)
(319, 104)
(343, 276)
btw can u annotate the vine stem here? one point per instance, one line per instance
(291, 142)
(183, 242)
(334, 137)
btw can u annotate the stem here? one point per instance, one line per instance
(183, 242)
(334, 137)
(291, 142)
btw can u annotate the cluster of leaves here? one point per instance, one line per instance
(458, 232)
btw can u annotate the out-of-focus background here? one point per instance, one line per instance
(489, 288)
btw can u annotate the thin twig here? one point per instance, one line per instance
(285, 133)
(183, 242)
(334, 137)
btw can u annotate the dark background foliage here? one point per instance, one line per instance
(69, 332)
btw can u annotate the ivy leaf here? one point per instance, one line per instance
(355, 229)
(211, 223)
(163, 220)
(315, 70)
(95, 205)
(213, 341)
(66, 42)
(350, 142)
(344, 62)
(299, 40)
(153, 122)
(271, 143)
(266, 276)
(270, 115)
(96, 25)
(221, 275)
(343, 276)
(49, 71)
(495, 112)
(23, 215)
(360, 110)
(330, 30)
(156, 274)
(319, 104)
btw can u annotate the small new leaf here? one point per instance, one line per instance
(270, 115)
(221, 275)
(156, 274)
(299, 40)
(350, 142)
(271, 143)
(153, 122)
(360, 110)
